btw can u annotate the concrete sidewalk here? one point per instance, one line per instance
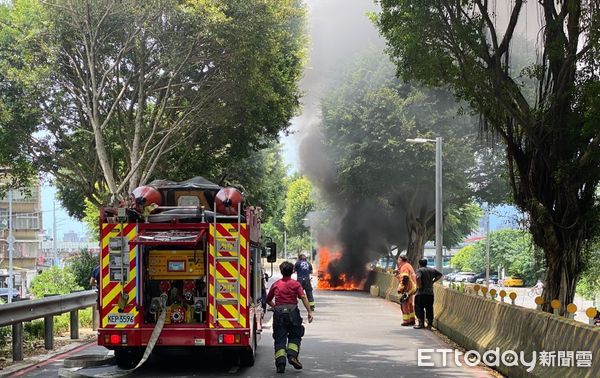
(31, 362)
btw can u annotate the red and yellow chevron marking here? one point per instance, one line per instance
(110, 291)
(225, 275)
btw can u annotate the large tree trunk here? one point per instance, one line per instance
(562, 250)
(560, 218)
(418, 236)
(561, 279)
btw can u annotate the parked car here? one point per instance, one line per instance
(4, 294)
(513, 281)
(463, 276)
(449, 276)
(493, 279)
(476, 277)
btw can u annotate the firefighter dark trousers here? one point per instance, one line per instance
(308, 289)
(287, 332)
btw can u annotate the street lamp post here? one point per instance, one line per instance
(439, 237)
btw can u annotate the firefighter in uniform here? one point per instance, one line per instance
(303, 269)
(407, 288)
(287, 321)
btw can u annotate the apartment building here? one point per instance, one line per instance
(27, 225)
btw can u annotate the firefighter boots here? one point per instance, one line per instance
(294, 362)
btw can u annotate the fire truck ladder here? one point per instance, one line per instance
(231, 285)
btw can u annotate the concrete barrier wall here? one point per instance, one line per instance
(482, 324)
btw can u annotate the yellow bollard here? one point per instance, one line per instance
(512, 297)
(493, 294)
(571, 310)
(539, 301)
(591, 314)
(476, 288)
(502, 295)
(555, 304)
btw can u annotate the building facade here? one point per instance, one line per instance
(27, 226)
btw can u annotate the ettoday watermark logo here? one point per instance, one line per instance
(495, 358)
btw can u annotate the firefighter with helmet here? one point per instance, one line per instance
(287, 321)
(303, 270)
(407, 288)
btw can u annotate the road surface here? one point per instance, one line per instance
(353, 335)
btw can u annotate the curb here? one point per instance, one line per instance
(41, 358)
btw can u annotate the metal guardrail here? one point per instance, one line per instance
(23, 311)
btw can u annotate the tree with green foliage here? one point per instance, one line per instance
(589, 284)
(551, 133)
(54, 280)
(366, 121)
(513, 250)
(81, 265)
(18, 120)
(155, 88)
(263, 178)
(299, 201)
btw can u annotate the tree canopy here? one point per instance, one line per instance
(299, 201)
(366, 121)
(551, 130)
(18, 120)
(512, 250)
(160, 88)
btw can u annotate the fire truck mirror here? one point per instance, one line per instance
(271, 252)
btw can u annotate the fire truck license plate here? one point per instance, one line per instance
(120, 318)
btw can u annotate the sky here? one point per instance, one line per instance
(64, 223)
(338, 29)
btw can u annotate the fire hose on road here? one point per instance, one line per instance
(79, 366)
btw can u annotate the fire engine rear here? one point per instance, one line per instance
(180, 266)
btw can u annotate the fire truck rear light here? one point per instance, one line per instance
(106, 339)
(228, 339)
(123, 339)
(115, 339)
(238, 338)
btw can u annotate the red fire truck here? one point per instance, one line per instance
(180, 265)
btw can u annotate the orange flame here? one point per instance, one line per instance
(326, 257)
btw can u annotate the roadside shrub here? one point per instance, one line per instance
(34, 329)
(54, 281)
(4, 335)
(62, 323)
(85, 317)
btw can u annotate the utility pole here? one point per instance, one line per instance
(11, 247)
(54, 253)
(284, 244)
(439, 238)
